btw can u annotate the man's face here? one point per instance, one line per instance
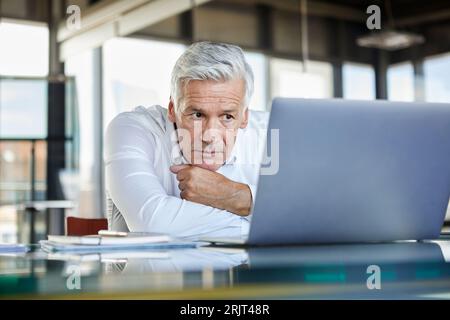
(208, 118)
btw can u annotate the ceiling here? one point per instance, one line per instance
(405, 12)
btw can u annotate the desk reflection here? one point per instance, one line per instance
(186, 260)
(225, 258)
(409, 270)
(348, 254)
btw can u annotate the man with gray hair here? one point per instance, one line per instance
(186, 170)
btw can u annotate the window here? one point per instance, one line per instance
(15, 176)
(401, 82)
(81, 68)
(86, 183)
(437, 84)
(437, 78)
(289, 79)
(358, 81)
(16, 182)
(23, 119)
(23, 101)
(258, 63)
(26, 52)
(23, 108)
(136, 72)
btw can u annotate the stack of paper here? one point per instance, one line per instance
(98, 243)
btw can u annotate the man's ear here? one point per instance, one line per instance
(244, 122)
(171, 111)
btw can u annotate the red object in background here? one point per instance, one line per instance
(83, 227)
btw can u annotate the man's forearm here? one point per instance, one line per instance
(240, 201)
(228, 195)
(213, 189)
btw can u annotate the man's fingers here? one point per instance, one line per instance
(177, 168)
(184, 195)
(182, 174)
(180, 171)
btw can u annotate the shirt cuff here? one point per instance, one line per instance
(253, 192)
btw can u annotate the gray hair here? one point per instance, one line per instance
(207, 60)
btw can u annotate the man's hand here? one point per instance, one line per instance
(213, 189)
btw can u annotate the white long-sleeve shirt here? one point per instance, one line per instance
(143, 194)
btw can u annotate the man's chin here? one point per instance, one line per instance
(210, 167)
(207, 161)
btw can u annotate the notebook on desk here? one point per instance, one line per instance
(49, 246)
(130, 238)
(100, 243)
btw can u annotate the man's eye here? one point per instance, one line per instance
(197, 115)
(229, 117)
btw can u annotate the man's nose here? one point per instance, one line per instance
(211, 131)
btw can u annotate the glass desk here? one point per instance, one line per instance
(407, 270)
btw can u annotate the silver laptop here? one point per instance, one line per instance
(354, 171)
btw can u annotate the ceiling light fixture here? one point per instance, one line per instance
(390, 39)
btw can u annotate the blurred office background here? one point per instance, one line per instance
(60, 85)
